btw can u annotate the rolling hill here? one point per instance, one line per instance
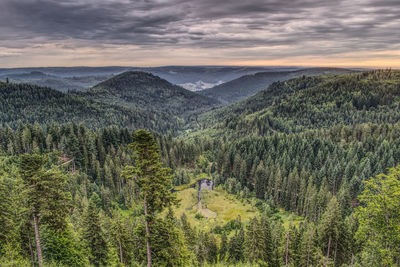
(311, 103)
(249, 85)
(29, 103)
(131, 99)
(193, 78)
(150, 92)
(197, 78)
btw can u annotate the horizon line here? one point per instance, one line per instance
(204, 66)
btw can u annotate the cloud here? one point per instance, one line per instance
(231, 30)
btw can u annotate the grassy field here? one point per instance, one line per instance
(219, 206)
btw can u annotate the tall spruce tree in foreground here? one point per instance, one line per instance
(153, 181)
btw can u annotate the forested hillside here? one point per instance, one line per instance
(303, 174)
(30, 103)
(190, 77)
(311, 103)
(249, 85)
(146, 91)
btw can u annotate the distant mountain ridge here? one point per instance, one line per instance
(62, 84)
(193, 78)
(249, 85)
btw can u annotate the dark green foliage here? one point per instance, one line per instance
(29, 103)
(94, 236)
(249, 85)
(167, 244)
(44, 184)
(258, 242)
(312, 103)
(223, 251)
(236, 247)
(307, 246)
(188, 232)
(149, 92)
(319, 161)
(304, 146)
(153, 180)
(206, 249)
(154, 184)
(63, 248)
(332, 234)
(121, 237)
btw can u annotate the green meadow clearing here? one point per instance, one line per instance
(218, 207)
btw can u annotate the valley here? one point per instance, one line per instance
(159, 133)
(287, 170)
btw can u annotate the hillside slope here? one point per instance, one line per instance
(30, 103)
(311, 103)
(146, 91)
(249, 85)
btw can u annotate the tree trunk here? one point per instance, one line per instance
(306, 211)
(329, 249)
(120, 251)
(287, 249)
(30, 249)
(352, 259)
(37, 238)
(309, 248)
(149, 263)
(334, 258)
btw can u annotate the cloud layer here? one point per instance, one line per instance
(160, 32)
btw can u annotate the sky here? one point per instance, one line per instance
(341, 33)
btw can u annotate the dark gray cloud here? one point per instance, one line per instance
(258, 28)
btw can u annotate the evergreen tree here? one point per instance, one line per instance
(153, 180)
(121, 237)
(307, 248)
(258, 241)
(236, 247)
(188, 232)
(47, 199)
(94, 235)
(332, 235)
(223, 250)
(167, 243)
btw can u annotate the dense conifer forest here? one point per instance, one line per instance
(112, 176)
(248, 85)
